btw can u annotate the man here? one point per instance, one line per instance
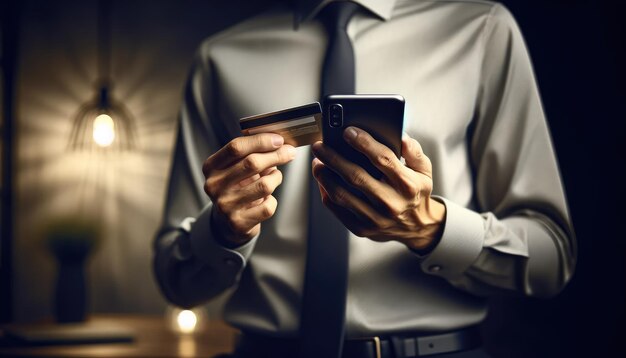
(476, 207)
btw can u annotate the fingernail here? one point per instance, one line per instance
(277, 140)
(350, 133)
(315, 147)
(291, 151)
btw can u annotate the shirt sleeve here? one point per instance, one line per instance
(190, 264)
(520, 238)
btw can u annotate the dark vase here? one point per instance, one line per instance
(70, 304)
(70, 297)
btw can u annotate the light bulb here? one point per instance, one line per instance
(103, 130)
(186, 321)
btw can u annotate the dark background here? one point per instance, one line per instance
(578, 50)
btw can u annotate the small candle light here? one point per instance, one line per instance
(185, 321)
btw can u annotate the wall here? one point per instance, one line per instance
(153, 43)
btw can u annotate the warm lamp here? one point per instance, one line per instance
(103, 122)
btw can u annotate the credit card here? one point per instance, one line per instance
(298, 125)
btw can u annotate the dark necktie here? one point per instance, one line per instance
(326, 278)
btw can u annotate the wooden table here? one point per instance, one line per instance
(152, 338)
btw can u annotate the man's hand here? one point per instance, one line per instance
(399, 207)
(240, 180)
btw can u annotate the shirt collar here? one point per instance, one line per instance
(305, 10)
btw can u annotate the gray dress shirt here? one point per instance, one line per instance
(472, 103)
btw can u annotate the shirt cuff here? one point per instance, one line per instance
(207, 248)
(460, 243)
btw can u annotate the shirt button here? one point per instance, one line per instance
(230, 262)
(434, 268)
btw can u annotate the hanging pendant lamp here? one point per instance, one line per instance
(103, 122)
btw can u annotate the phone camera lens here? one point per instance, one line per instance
(336, 115)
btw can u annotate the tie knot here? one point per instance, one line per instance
(337, 14)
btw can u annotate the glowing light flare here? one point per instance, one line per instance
(187, 346)
(186, 321)
(103, 130)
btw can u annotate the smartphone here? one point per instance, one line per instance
(382, 116)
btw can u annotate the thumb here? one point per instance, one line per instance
(414, 156)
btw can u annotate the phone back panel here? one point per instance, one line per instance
(382, 116)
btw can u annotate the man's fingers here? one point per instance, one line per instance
(341, 196)
(243, 220)
(414, 156)
(261, 188)
(398, 176)
(240, 178)
(241, 147)
(268, 170)
(234, 199)
(256, 177)
(402, 177)
(379, 154)
(257, 163)
(249, 180)
(351, 173)
(261, 212)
